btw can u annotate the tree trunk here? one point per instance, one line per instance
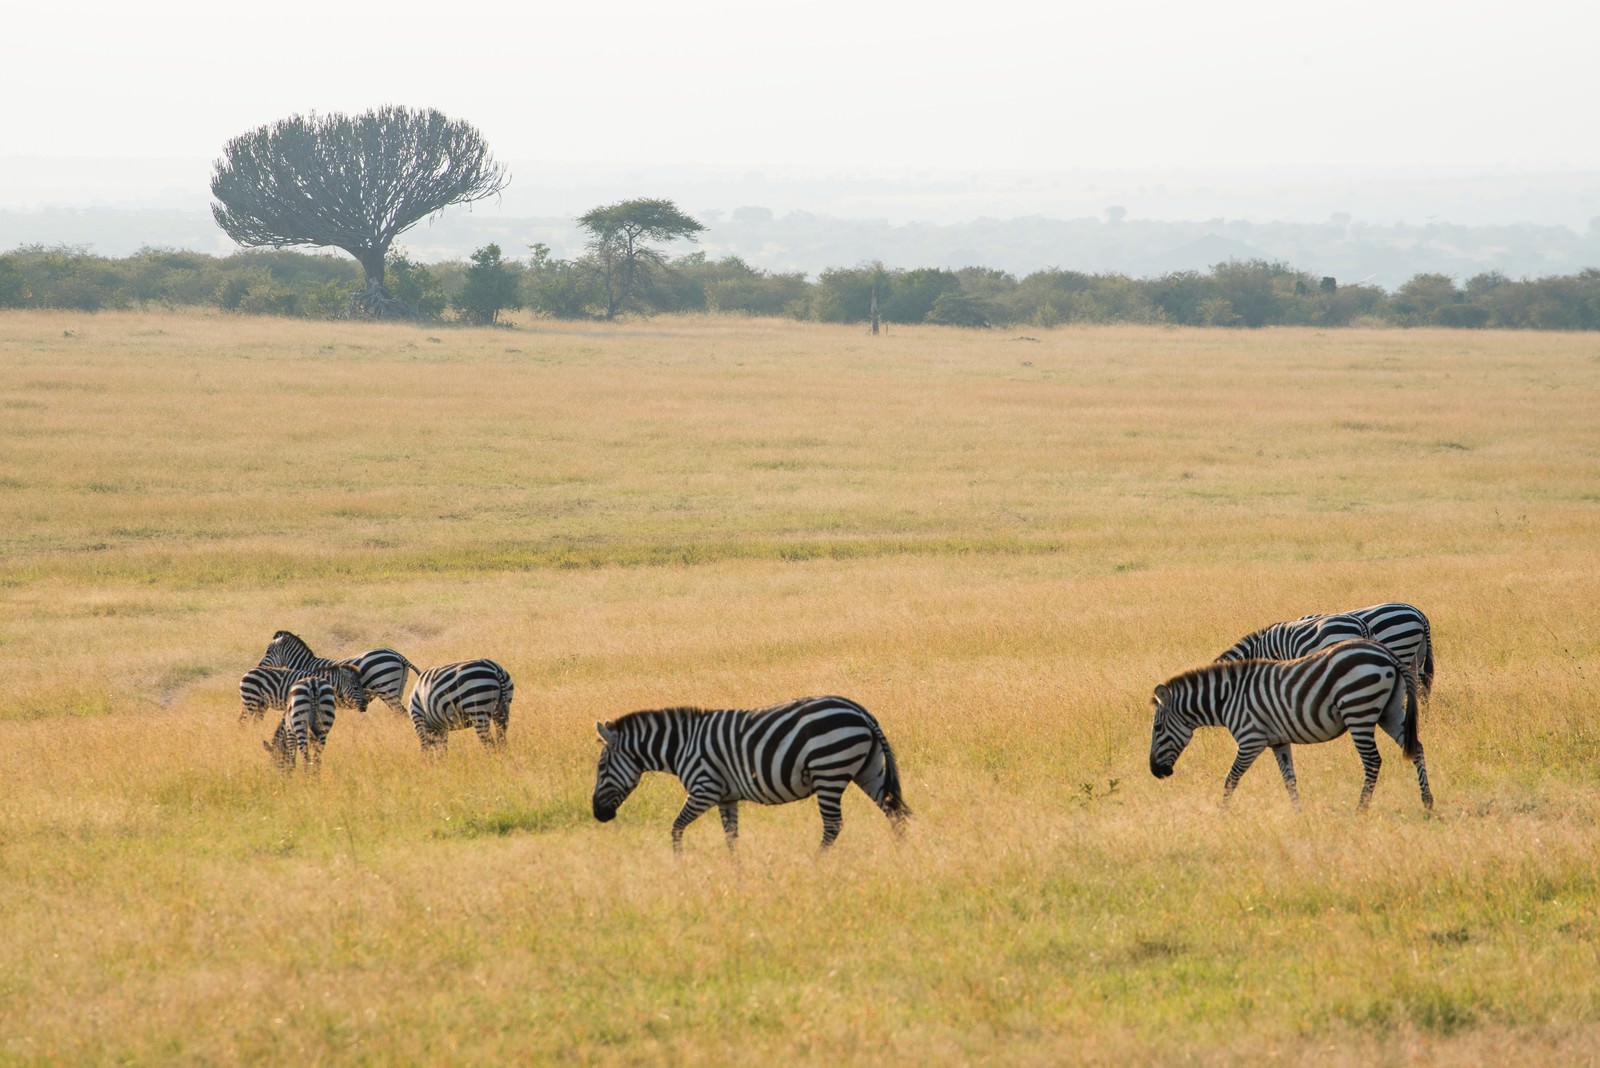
(374, 300)
(371, 261)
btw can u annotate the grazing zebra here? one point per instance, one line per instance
(262, 688)
(472, 693)
(1296, 638)
(305, 724)
(1354, 686)
(816, 745)
(383, 671)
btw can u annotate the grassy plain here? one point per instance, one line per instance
(999, 544)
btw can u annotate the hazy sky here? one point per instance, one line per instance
(979, 86)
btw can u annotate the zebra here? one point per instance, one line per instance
(1296, 638)
(1354, 686)
(305, 725)
(262, 688)
(472, 693)
(383, 671)
(815, 745)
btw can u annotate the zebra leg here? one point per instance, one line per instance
(1241, 764)
(692, 810)
(434, 743)
(1398, 734)
(729, 811)
(829, 795)
(1367, 748)
(1422, 779)
(1285, 755)
(490, 738)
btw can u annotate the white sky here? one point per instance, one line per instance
(851, 85)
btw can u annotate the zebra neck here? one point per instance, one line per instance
(663, 743)
(1211, 692)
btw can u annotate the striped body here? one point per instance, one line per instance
(472, 693)
(262, 688)
(1405, 630)
(1355, 686)
(305, 724)
(383, 671)
(1296, 638)
(816, 745)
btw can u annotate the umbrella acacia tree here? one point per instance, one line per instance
(354, 183)
(617, 244)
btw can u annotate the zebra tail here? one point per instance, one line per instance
(1425, 672)
(893, 800)
(1413, 745)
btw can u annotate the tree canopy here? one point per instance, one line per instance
(353, 183)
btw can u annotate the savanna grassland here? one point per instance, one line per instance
(998, 544)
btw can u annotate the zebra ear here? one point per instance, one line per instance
(1160, 697)
(605, 732)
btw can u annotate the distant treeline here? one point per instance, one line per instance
(1251, 293)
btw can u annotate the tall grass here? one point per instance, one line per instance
(997, 545)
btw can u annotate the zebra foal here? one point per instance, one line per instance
(307, 719)
(382, 671)
(816, 745)
(471, 693)
(1356, 686)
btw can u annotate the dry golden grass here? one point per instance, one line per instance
(997, 545)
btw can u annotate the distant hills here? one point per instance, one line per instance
(1018, 224)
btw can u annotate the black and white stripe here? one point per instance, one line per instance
(472, 693)
(1355, 686)
(305, 725)
(262, 688)
(383, 671)
(1402, 627)
(1296, 638)
(816, 745)
(1405, 630)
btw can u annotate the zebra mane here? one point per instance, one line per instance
(1259, 634)
(1218, 667)
(649, 715)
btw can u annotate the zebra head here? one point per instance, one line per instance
(286, 650)
(1169, 735)
(616, 776)
(347, 686)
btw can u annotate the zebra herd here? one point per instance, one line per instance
(308, 688)
(1301, 681)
